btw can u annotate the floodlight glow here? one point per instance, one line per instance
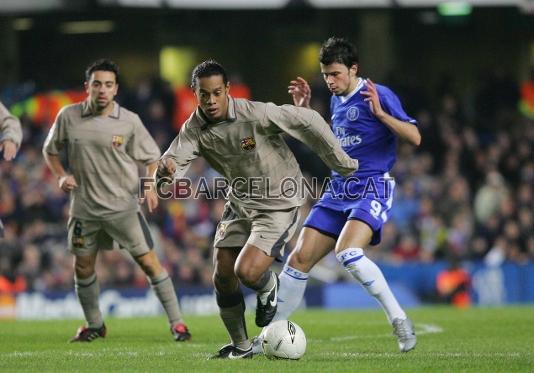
(176, 64)
(87, 27)
(455, 8)
(22, 24)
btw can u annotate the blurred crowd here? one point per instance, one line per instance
(465, 194)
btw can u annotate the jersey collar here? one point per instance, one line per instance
(115, 113)
(359, 86)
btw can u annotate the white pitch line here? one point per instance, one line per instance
(514, 355)
(105, 352)
(420, 329)
(428, 329)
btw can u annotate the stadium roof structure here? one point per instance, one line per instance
(277, 4)
(10, 6)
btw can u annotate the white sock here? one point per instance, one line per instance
(371, 278)
(292, 286)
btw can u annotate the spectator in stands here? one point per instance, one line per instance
(453, 285)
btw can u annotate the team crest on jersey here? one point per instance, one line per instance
(248, 143)
(117, 140)
(353, 113)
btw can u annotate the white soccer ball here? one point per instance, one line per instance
(284, 339)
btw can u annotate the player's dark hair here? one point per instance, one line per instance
(206, 69)
(102, 65)
(338, 50)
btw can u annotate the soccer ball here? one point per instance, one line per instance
(284, 339)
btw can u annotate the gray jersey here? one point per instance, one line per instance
(9, 127)
(249, 151)
(102, 155)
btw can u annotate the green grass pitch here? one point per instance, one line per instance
(478, 340)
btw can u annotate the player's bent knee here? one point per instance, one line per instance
(83, 270)
(301, 261)
(248, 276)
(83, 274)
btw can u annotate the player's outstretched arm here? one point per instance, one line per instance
(300, 90)
(178, 157)
(309, 127)
(404, 130)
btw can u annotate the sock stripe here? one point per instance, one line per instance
(81, 285)
(153, 283)
(295, 273)
(352, 260)
(296, 278)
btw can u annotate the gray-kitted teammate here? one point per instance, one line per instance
(243, 141)
(10, 139)
(104, 143)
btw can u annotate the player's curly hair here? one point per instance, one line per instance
(102, 65)
(206, 69)
(338, 50)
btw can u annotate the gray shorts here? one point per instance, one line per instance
(268, 230)
(130, 231)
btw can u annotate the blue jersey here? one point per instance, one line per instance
(367, 195)
(365, 138)
(362, 135)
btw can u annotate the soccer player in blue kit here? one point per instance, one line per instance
(366, 119)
